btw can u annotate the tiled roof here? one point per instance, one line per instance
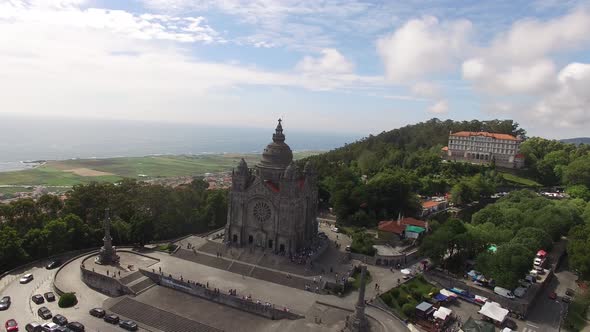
(430, 204)
(486, 134)
(445, 148)
(392, 226)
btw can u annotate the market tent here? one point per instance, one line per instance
(472, 325)
(448, 293)
(440, 298)
(506, 330)
(443, 313)
(541, 253)
(494, 311)
(405, 271)
(415, 229)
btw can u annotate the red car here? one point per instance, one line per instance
(552, 295)
(11, 326)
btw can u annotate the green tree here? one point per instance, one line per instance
(578, 172)
(11, 251)
(578, 250)
(579, 191)
(142, 229)
(510, 263)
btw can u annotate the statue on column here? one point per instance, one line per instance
(108, 253)
(359, 322)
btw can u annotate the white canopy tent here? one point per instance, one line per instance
(406, 271)
(447, 293)
(442, 313)
(494, 311)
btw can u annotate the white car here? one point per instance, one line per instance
(50, 327)
(26, 278)
(335, 229)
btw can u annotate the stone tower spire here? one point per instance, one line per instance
(360, 322)
(278, 136)
(108, 253)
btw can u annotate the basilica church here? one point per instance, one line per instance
(275, 204)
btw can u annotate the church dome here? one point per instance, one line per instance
(277, 154)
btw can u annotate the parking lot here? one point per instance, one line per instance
(24, 311)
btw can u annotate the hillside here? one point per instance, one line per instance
(576, 140)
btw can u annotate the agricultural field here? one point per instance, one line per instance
(79, 171)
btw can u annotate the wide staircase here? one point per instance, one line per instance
(137, 282)
(158, 318)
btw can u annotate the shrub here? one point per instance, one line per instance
(395, 293)
(408, 309)
(387, 298)
(67, 300)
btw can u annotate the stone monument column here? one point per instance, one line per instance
(108, 253)
(360, 323)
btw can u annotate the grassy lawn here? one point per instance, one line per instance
(405, 298)
(357, 279)
(520, 180)
(58, 173)
(169, 247)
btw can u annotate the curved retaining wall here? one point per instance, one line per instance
(221, 298)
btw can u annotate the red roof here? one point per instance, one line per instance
(392, 226)
(520, 155)
(486, 134)
(430, 204)
(445, 148)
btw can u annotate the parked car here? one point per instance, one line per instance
(98, 312)
(34, 327)
(520, 291)
(552, 295)
(111, 318)
(11, 325)
(76, 327)
(5, 303)
(60, 320)
(566, 299)
(128, 325)
(37, 298)
(503, 292)
(347, 248)
(49, 296)
(569, 292)
(63, 329)
(44, 313)
(26, 278)
(50, 327)
(53, 264)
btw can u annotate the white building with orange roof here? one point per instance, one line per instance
(483, 147)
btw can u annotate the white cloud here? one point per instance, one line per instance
(569, 104)
(518, 61)
(423, 46)
(441, 107)
(64, 13)
(426, 89)
(115, 64)
(331, 61)
(535, 76)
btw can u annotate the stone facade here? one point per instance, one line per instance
(483, 147)
(273, 206)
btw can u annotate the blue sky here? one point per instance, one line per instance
(323, 65)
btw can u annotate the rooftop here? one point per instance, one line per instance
(485, 134)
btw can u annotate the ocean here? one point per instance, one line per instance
(28, 139)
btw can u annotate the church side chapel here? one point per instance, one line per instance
(274, 205)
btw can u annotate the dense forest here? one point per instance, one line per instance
(518, 225)
(381, 176)
(140, 212)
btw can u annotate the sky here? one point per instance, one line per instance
(322, 65)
